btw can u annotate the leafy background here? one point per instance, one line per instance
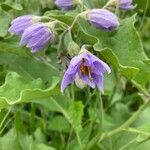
(35, 115)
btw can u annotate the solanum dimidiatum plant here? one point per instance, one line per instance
(84, 63)
(85, 67)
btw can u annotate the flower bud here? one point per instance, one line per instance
(66, 4)
(19, 24)
(36, 37)
(126, 5)
(103, 19)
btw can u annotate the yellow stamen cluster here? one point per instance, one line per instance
(86, 70)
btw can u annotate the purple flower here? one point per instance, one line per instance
(64, 4)
(19, 24)
(36, 37)
(126, 5)
(103, 19)
(88, 68)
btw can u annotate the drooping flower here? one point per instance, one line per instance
(37, 36)
(64, 4)
(88, 68)
(126, 4)
(103, 19)
(19, 24)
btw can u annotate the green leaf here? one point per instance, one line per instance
(12, 140)
(72, 47)
(59, 123)
(84, 135)
(16, 140)
(141, 5)
(4, 22)
(127, 71)
(73, 114)
(39, 136)
(110, 82)
(143, 118)
(14, 84)
(17, 59)
(143, 135)
(54, 103)
(120, 114)
(9, 4)
(41, 147)
(75, 111)
(16, 89)
(60, 15)
(145, 128)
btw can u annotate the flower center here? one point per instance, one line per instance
(86, 70)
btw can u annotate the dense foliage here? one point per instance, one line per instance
(36, 114)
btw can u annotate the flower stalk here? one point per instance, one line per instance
(101, 110)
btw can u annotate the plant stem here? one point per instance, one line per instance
(69, 138)
(76, 18)
(74, 21)
(69, 120)
(89, 95)
(145, 11)
(1, 131)
(99, 137)
(79, 140)
(142, 90)
(61, 40)
(82, 5)
(5, 117)
(32, 118)
(130, 120)
(72, 92)
(117, 8)
(96, 139)
(101, 112)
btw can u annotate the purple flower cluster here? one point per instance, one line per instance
(84, 69)
(88, 68)
(35, 35)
